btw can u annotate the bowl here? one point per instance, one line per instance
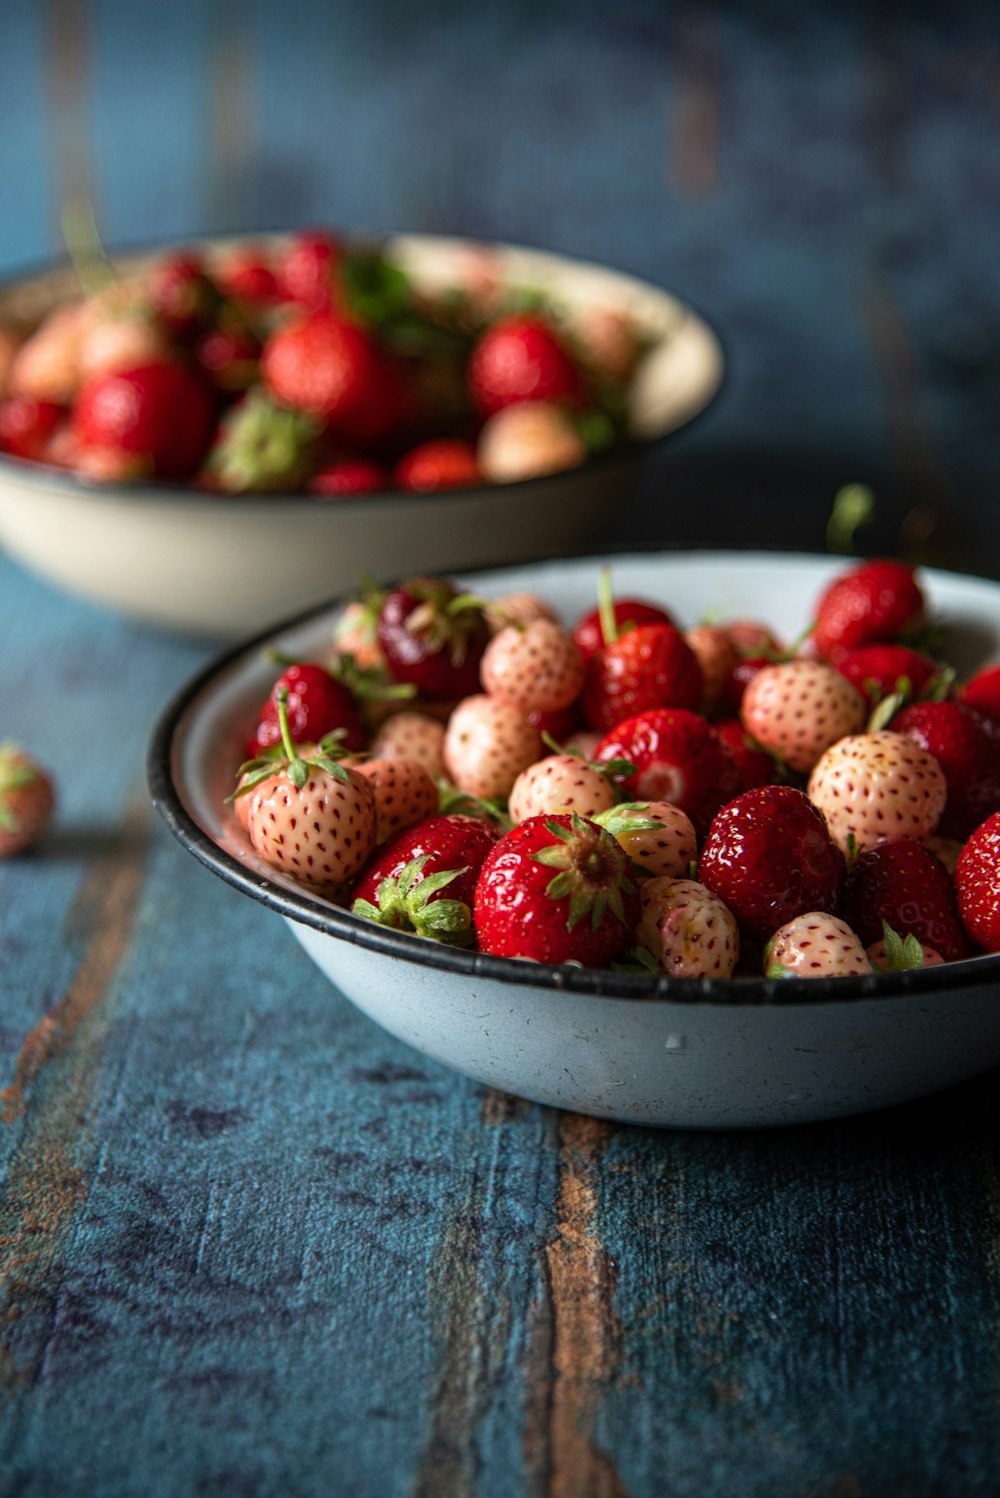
(635, 1047)
(221, 566)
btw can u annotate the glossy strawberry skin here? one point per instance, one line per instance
(877, 670)
(27, 426)
(347, 477)
(977, 881)
(326, 366)
(246, 276)
(520, 358)
(308, 269)
(982, 692)
(159, 416)
(755, 766)
(438, 670)
(317, 705)
(651, 666)
(874, 601)
(677, 758)
(628, 612)
(966, 747)
(449, 842)
(445, 463)
(903, 883)
(769, 856)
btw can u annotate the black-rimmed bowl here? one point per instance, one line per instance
(224, 565)
(622, 1045)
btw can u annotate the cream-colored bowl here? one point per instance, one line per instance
(224, 565)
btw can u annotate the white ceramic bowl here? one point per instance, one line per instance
(633, 1047)
(224, 565)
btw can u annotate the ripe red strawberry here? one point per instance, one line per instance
(874, 786)
(659, 838)
(156, 419)
(877, 600)
(27, 427)
(229, 353)
(755, 765)
(977, 881)
(405, 793)
(348, 476)
(520, 358)
(769, 856)
(901, 883)
(815, 945)
(677, 758)
(26, 800)
(880, 670)
(487, 744)
(969, 755)
(318, 705)
(444, 463)
(556, 889)
(797, 709)
(181, 294)
(687, 929)
(308, 269)
(425, 879)
(982, 692)
(330, 368)
(560, 782)
(651, 666)
(245, 274)
(433, 637)
(742, 674)
(535, 666)
(628, 612)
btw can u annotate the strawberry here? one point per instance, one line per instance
(873, 601)
(627, 613)
(517, 608)
(348, 476)
(245, 274)
(677, 758)
(742, 674)
(560, 782)
(425, 879)
(405, 793)
(308, 269)
(769, 856)
(317, 705)
(967, 749)
(520, 358)
(977, 881)
(181, 294)
(815, 945)
(27, 427)
(751, 638)
(487, 744)
(46, 366)
(874, 786)
(718, 658)
(892, 954)
(261, 447)
(687, 929)
(26, 800)
(535, 666)
(229, 353)
(413, 736)
(659, 838)
(156, 419)
(796, 709)
(651, 666)
(754, 765)
(433, 637)
(882, 670)
(331, 368)
(527, 441)
(556, 889)
(901, 883)
(982, 692)
(444, 463)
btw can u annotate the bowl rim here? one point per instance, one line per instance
(50, 476)
(605, 983)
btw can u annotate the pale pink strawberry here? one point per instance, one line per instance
(669, 848)
(47, 365)
(322, 834)
(517, 608)
(535, 666)
(412, 736)
(948, 849)
(584, 741)
(404, 794)
(487, 744)
(797, 709)
(815, 945)
(716, 655)
(874, 786)
(354, 635)
(753, 638)
(897, 955)
(560, 782)
(688, 930)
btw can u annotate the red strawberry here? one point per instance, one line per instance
(27, 426)
(535, 666)
(977, 880)
(330, 368)
(755, 766)
(318, 705)
(797, 709)
(628, 612)
(246, 275)
(649, 667)
(520, 358)
(155, 419)
(687, 929)
(444, 463)
(982, 692)
(425, 879)
(878, 600)
(966, 748)
(26, 800)
(348, 476)
(405, 793)
(556, 889)
(229, 354)
(487, 744)
(433, 637)
(874, 786)
(769, 856)
(815, 945)
(677, 758)
(308, 269)
(742, 674)
(901, 883)
(880, 670)
(181, 294)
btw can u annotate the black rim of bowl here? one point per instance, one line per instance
(605, 983)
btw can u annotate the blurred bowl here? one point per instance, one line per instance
(223, 565)
(636, 1047)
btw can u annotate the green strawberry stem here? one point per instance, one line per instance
(606, 607)
(853, 507)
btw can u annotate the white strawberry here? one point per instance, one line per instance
(716, 655)
(412, 736)
(688, 930)
(404, 793)
(487, 744)
(874, 786)
(517, 608)
(354, 634)
(560, 782)
(535, 666)
(668, 848)
(796, 709)
(47, 365)
(527, 440)
(815, 945)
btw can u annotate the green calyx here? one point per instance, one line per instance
(262, 446)
(285, 756)
(626, 817)
(452, 800)
(590, 876)
(853, 507)
(406, 902)
(901, 954)
(443, 619)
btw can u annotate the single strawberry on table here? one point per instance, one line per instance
(27, 799)
(424, 880)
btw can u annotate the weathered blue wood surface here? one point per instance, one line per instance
(248, 1243)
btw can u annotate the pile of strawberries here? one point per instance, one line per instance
(706, 802)
(313, 365)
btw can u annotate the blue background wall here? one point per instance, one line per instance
(823, 183)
